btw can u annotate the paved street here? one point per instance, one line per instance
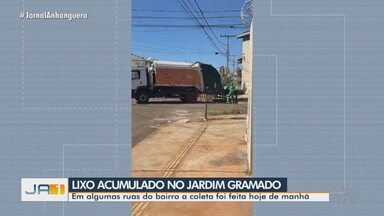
(147, 118)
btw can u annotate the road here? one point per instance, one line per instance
(147, 118)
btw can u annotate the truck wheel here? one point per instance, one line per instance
(142, 97)
(191, 96)
(183, 98)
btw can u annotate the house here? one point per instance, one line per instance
(246, 86)
(138, 61)
(246, 62)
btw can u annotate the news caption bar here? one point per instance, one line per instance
(164, 189)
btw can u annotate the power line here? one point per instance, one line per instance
(159, 50)
(234, 26)
(202, 26)
(181, 17)
(167, 46)
(198, 9)
(168, 30)
(206, 21)
(207, 34)
(180, 11)
(140, 48)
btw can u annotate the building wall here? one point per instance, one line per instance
(246, 65)
(247, 79)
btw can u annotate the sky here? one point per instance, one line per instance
(165, 30)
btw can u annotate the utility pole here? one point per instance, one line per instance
(228, 54)
(234, 60)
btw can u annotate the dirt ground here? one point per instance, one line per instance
(218, 151)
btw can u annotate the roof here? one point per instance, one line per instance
(135, 57)
(138, 61)
(243, 35)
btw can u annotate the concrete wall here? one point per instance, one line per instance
(246, 79)
(248, 51)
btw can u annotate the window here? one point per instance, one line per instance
(135, 74)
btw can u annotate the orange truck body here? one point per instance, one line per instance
(177, 77)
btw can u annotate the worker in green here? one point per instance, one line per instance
(230, 96)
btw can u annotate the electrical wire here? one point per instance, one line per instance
(202, 26)
(179, 11)
(189, 26)
(183, 18)
(206, 21)
(166, 46)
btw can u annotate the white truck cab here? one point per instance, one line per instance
(139, 78)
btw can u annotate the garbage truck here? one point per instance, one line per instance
(186, 81)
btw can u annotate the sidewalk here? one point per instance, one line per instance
(193, 149)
